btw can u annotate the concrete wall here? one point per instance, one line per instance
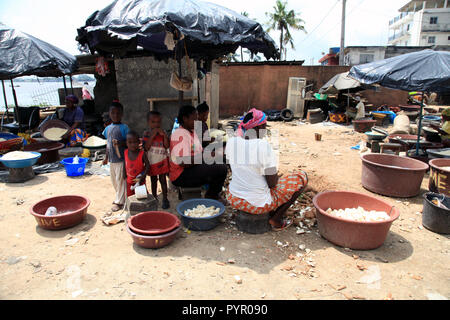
(265, 86)
(145, 77)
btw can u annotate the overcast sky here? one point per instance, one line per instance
(56, 21)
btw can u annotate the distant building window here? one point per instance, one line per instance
(407, 28)
(406, 43)
(432, 39)
(448, 38)
(433, 20)
(366, 58)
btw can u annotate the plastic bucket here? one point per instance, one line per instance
(72, 169)
(435, 218)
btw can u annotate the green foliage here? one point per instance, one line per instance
(284, 20)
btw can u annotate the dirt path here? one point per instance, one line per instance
(103, 263)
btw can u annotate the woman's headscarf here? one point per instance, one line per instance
(258, 118)
(72, 98)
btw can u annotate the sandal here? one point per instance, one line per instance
(286, 224)
(116, 207)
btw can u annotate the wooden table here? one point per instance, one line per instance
(152, 101)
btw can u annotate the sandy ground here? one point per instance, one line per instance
(104, 263)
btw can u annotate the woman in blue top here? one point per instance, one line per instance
(74, 117)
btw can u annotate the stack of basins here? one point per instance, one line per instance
(153, 229)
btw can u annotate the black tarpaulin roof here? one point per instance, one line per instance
(209, 30)
(425, 70)
(22, 55)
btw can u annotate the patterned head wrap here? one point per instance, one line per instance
(257, 119)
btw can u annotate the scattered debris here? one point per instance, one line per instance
(238, 279)
(13, 260)
(382, 259)
(77, 293)
(416, 277)
(361, 267)
(372, 277)
(222, 249)
(388, 297)
(71, 241)
(435, 296)
(20, 202)
(231, 261)
(109, 219)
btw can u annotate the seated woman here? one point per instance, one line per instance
(256, 187)
(444, 130)
(74, 117)
(187, 168)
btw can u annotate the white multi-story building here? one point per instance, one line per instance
(421, 23)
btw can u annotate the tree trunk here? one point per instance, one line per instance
(242, 56)
(281, 44)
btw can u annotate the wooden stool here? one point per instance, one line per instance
(18, 175)
(253, 223)
(396, 147)
(189, 193)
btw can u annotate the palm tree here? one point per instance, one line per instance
(282, 19)
(245, 14)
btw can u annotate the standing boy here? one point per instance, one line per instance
(116, 135)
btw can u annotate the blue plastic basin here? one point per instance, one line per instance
(391, 114)
(72, 169)
(8, 136)
(17, 164)
(200, 224)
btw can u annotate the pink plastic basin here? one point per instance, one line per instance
(347, 233)
(153, 222)
(392, 176)
(74, 208)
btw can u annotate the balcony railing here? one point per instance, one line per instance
(439, 27)
(398, 35)
(400, 17)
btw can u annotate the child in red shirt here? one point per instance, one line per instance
(156, 143)
(136, 163)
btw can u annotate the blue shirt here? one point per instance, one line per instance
(74, 115)
(118, 132)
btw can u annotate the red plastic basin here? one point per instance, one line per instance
(352, 234)
(74, 208)
(153, 242)
(392, 176)
(48, 150)
(439, 181)
(153, 222)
